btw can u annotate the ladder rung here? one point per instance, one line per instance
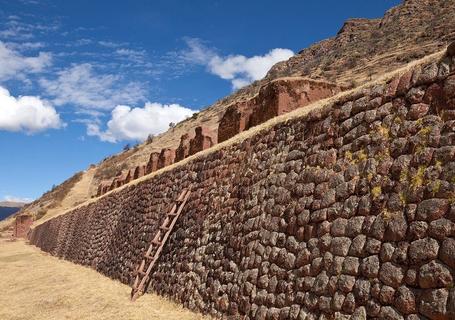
(182, 196)
(159, 240)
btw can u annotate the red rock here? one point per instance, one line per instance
(235, 119)
(204, 139)
(183, 150)
(166, 158)
(128, 177)
(124, 178)
(103, 188)
(152, 164)
(287, 94)
(22, 226)
(139, 172)
(392, 88)
(405, 82)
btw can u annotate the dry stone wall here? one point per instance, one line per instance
(347, 212)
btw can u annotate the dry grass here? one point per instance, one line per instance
(38, 286)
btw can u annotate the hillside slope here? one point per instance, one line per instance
(361, 51)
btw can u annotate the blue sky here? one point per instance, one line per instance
(80, 79)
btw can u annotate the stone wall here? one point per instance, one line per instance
(346, 212)
(22, 226)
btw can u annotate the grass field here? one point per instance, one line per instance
(35, 285)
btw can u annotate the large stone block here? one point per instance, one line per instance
(204, 138)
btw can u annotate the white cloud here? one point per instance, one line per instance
(26, 113)
(131, 54)
(80, 85)
(240, 70)
(15, 65)
(16, 199)
(128, 123)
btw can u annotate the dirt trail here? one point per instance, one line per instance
(37, 286)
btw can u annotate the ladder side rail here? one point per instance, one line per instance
(166, 236)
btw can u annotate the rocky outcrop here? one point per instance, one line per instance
(22, 225)
(285, 95)
(346, 212)
(203, 139)
(152, 164)
(274, 99)
(235, 120)
(139, 172)
(183, 151)
(166, 158)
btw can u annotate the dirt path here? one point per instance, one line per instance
(78, 194)
(35, 285)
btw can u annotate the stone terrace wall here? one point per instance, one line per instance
(348, 211)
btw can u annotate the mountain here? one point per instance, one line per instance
(362, 51)
(7, 208)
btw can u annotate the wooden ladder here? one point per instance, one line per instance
(153, 253)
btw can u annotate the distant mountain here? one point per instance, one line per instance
(8, 208)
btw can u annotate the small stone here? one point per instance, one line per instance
(396, 228)
(434, 275)
(373, 308)
(320, 284)
(389, 313)
(303, 258)
(447, 252)
(351, 266)
(441, 229)
(386, 253)
(391, 275)
(423, 250)
(418, 230)
(386, 295)
(429, 73)
(294, 312)
(432, 209)
(417, 111)
(400, 255)
(273, 314)
(433, 303)
(357, 246)
(411, 277)
(354, 226)
(405, 300)
(349, 303)
(415, 95)
(345, 283)
(337, 301)
(338, 227)
(359, 314)
(373, 246)
(362, 291)
(340, 246)
(370, 267)
(284, 313)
